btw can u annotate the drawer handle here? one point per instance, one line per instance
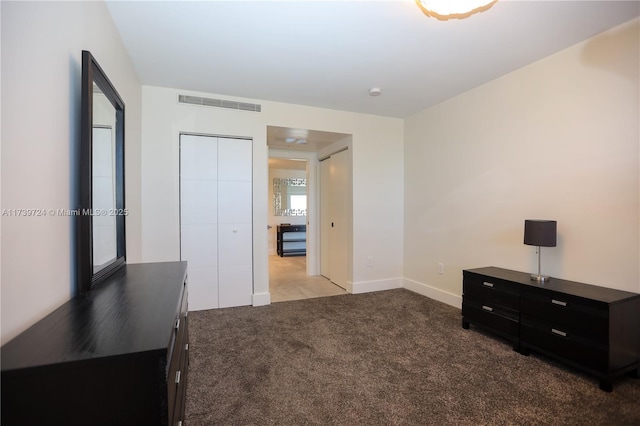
(558, 332)
(487, 308)
(180, 423)
(487, 284)
(186, 347)
(177, 377)
(178, 323)
(558, 302)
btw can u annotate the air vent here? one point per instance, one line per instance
(220, 103)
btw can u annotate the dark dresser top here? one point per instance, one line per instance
(131, 312)
(587, 291)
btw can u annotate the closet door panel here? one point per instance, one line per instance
(199, 217)
(200, 245)
(234, 202)
(235, 245)
(198, 157)
(236, 159)
(235, 286)
(203, 288)
(199, 202)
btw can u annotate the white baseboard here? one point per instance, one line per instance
(261, 299)
(433, 293)
(378, 285)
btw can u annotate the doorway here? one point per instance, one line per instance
(298, 276)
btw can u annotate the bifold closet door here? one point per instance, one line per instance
(235, 222)
(216, 220)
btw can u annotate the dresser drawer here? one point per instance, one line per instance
(567, 311)
(496, 291)
(490, 315)
(177, 360)
(181, 386)
(564, 343)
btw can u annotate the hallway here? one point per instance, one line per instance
(288, 280)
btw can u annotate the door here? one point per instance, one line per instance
(325, 219)
(199, 218)
(216, 220)
(335, 218)
(235, 222)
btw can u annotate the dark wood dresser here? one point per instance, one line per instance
(595, 329)
(116, 355)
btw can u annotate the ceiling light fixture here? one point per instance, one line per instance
(290, 140)
(375, 91)
(448, 9)
(301, 141)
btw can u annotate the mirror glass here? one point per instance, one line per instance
(289, 197)
(103, 184)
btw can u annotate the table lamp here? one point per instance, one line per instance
(540, 233)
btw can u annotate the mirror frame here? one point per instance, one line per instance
(86, 278)
(277, 195)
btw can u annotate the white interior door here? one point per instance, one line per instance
(325, 219)
(199, 218)
(216, 220)
(235, 218)
(339, 208)
(335, 223)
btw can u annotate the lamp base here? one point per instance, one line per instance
(540, 278)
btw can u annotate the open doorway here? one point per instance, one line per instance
(294, 236)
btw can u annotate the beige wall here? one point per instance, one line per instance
(41, 73)
(558, 139)
(377, 174)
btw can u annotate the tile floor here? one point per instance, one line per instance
(288, 280)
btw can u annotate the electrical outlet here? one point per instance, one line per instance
(369, 261)
(441, 268)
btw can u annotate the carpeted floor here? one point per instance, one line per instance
(384, 358)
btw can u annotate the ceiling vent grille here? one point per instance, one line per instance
(220, 103)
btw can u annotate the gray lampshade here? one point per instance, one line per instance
(540, 233)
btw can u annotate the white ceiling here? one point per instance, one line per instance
(330, 53)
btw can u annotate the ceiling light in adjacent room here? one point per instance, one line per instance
(375, 91)
(290, 140)
(301, 141)
(453, 9)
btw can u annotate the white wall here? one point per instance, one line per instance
(41, 76)
(377, 174)
(558, 139)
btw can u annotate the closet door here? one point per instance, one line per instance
(235, 218)
(199, 218)
(216, 220)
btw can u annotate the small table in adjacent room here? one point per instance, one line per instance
(291, 240)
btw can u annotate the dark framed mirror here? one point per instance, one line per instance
(100, 236)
